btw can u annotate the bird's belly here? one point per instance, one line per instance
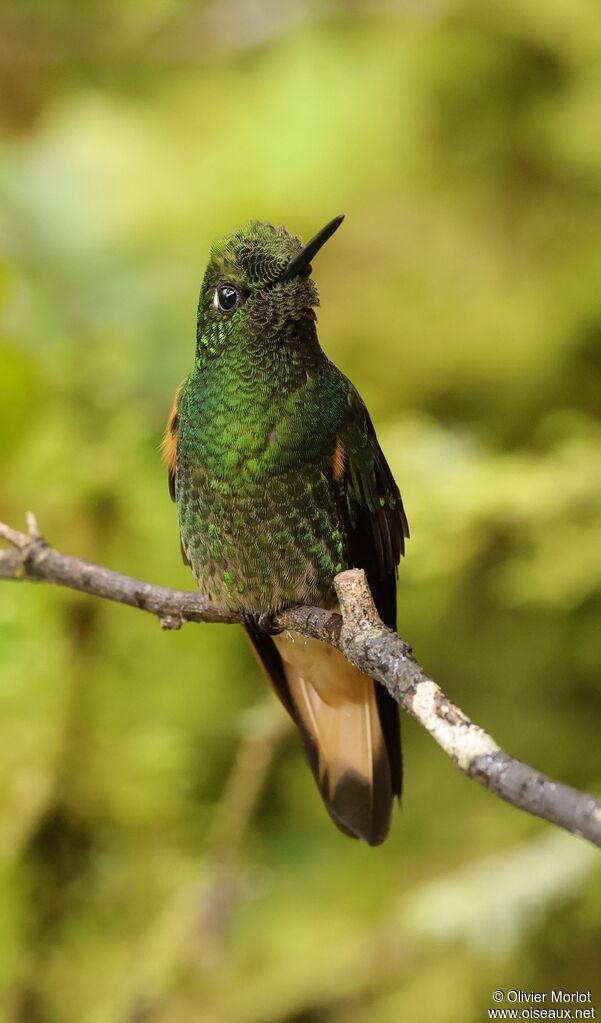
(260, 545)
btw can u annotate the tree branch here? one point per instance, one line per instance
(363, 639)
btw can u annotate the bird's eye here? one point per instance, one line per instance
(226, 298)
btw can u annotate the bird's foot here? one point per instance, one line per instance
(261, 622)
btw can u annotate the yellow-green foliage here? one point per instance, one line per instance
(164, 856)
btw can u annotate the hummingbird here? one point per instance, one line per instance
(280, 484)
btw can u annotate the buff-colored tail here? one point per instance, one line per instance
(353, 752)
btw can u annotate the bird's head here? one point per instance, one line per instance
(257, 284)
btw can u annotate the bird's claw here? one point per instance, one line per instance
(261, 622)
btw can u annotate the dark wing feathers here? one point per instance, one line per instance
(370, 507)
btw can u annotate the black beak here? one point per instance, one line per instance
(302, 262)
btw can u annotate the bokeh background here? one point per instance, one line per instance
(164, 855)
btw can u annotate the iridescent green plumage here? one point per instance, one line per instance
(279, 479)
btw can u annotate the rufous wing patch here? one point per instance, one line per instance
(169, 442)
(338, 461)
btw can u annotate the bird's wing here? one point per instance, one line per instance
(169, 441)
(370, 506)
(169, 451)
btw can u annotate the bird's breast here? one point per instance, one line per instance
(257, 508)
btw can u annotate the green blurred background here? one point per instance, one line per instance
(164, 855)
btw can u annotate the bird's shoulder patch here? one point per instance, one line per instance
(169, 441)
(338, 461)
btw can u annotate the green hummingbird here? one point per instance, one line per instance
(280, 484)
